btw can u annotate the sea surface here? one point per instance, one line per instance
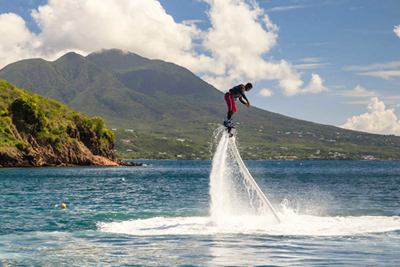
(333, 213)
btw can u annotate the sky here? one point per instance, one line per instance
(333, 62)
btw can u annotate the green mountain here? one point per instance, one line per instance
(158, 99)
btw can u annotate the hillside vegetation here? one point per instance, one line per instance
(37, 131)
(162, 103)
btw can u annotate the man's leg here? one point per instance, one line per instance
(228, 120)
(230, 101)
(230, 114)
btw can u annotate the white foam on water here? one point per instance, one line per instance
(291, 225)
(235, 208)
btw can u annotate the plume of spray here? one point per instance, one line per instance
(232, 195)
(218, 181)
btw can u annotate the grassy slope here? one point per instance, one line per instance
(142, 145)
(58, 121)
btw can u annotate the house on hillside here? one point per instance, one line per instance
(368, 157)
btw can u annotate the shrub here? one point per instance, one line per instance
(20, 145)
(56, 143)
(98, 124)
(109, 135)
(27, 116)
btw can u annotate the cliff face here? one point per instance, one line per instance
(36, 131)
(39, 153)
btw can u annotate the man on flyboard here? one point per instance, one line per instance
(231, 96)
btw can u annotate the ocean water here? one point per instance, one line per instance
(180, 213)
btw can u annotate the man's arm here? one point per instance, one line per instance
(247, 103)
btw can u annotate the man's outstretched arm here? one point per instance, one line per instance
(247, 104)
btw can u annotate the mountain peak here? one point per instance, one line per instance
(116, 61)
(70, 56)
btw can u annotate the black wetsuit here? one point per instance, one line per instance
(237, 91)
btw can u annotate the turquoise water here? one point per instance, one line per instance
(333, 213)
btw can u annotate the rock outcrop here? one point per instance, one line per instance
(40, 154)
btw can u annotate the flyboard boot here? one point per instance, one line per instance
(229, 126)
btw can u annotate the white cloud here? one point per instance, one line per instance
(382, 74)
(377, 120)
(15, 39)
(395, 97)
(310, 66)
(315, 86)
(310, 63)
(192, 21)
(358, 91)
(238, 45)
(378, 70)
(232, 50)
(91, 25)
(291, 85)
(265, 93)
(377, 66)
(362, 102)
(284, 8)
(311, 59)
(397, 30)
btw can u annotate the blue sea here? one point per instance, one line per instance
(343, 213)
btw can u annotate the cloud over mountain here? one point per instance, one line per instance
(15, 42)
(377, 120)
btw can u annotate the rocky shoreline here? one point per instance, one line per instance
(98, 161)
(41, 154)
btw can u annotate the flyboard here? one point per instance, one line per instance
(232, 144)
(231, 130)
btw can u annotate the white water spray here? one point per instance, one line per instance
(233, 190)
(219, 171)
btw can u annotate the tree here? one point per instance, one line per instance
(27, 116)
